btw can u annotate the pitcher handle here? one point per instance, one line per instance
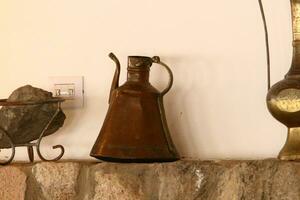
(156, 59)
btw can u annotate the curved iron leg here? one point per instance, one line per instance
(54, 147)
(13, 148)
(30, 153)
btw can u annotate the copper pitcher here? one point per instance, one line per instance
(135, 128)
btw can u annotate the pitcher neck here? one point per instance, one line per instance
(138, 69)
(295, 67)
(139, 76)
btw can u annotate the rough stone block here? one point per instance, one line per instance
(12, 183)
(58, 181)
(182, 180)
(113, 181)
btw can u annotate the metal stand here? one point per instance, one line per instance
(36, 144)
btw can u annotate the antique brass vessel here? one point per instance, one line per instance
(135, 128)
(283, 98)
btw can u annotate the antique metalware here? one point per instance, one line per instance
(135, 128)
(30, 145)
(283, 98)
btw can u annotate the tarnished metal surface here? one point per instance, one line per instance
(4, 102)
(135, 128)
(283, 99)
(295, 5)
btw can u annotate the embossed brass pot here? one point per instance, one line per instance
(283, 99)
(135, 128)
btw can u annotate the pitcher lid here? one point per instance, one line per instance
(139, 61)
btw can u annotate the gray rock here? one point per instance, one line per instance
(25, 123)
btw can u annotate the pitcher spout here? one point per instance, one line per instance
(115, 81)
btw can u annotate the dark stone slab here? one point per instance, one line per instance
(25, 123)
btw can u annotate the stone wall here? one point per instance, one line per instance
(182, 180)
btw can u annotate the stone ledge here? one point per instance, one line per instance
(182, 180)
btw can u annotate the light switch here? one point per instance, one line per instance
(65, 90)
(70, 88)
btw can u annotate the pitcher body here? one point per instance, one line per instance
(135, 127)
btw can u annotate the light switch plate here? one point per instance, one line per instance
(70, 88)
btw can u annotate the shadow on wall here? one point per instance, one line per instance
(182, 119)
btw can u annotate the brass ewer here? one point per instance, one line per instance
(135, 128)
(283, 98)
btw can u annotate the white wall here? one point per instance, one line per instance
(216, 109)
